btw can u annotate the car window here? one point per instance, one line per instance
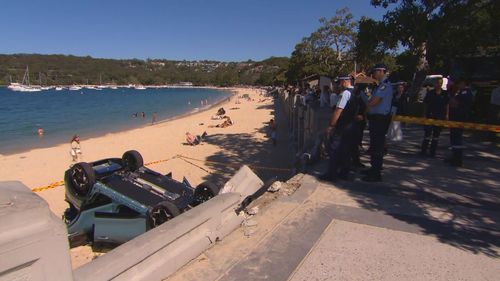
(96, 200)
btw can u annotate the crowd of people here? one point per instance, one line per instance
(360, 100)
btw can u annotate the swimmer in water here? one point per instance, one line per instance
(40, 132)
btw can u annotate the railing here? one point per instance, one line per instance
(306, 123)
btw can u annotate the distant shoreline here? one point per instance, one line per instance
(219, 102)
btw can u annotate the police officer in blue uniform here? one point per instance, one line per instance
(359, 123)
(460, 108)
(379, 117)
(342, 132)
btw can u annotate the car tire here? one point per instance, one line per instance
(82, 178)
(205, 191)
(162, 212)
(132, 160)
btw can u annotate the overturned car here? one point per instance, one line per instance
(114, 200)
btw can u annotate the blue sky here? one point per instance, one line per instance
(229, 30)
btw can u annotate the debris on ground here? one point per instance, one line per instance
(249, 232)
(275, 187)
(250, 223)
(253, 211)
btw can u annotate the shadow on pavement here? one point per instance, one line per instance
(459, 206)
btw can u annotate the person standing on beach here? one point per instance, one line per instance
(274, 129)
(76, 149)
(154, 118)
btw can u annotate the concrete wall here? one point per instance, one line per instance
(33, 241)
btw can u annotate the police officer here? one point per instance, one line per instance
(460, 108)
(341, 131)
(379, 116)
(359, 124)
(436, 107)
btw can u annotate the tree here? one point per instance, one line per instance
(328, 50)
(433, 31)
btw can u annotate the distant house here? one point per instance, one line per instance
(318, 80)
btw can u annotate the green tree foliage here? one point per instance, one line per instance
(328, 50)
(432, 33)
(68, 70)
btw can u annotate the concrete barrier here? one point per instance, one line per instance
(33, 241)
(161, 251)
(34, 245)
(244, 182)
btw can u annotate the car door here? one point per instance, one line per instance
(117, 228)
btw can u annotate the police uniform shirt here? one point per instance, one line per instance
(384, 92)
(436, 104)
(344, 98)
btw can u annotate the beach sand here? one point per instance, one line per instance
(245, 142)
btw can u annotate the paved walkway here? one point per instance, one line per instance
(426, 221)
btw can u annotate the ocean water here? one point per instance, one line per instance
(89, 113)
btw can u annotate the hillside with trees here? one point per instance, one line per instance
(68, 70)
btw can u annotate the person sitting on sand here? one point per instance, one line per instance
(192, 140)
(228, 122)
(221, 112)
(76, 149)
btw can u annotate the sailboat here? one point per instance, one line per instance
(25, 85)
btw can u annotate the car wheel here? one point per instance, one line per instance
(82, 178)
(161, 213)
(205, 191)
(132, 160)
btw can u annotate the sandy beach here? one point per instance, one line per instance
(243, 143)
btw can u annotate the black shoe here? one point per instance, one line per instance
(327, 177)
(345, 177)
(372, 178)
(366, 171)
(359, 165)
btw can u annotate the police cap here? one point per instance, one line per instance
(379, 66)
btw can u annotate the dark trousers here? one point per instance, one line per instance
(456, 137)
(378, 128)
(431, 136)
(359, 127)
(340, 151)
